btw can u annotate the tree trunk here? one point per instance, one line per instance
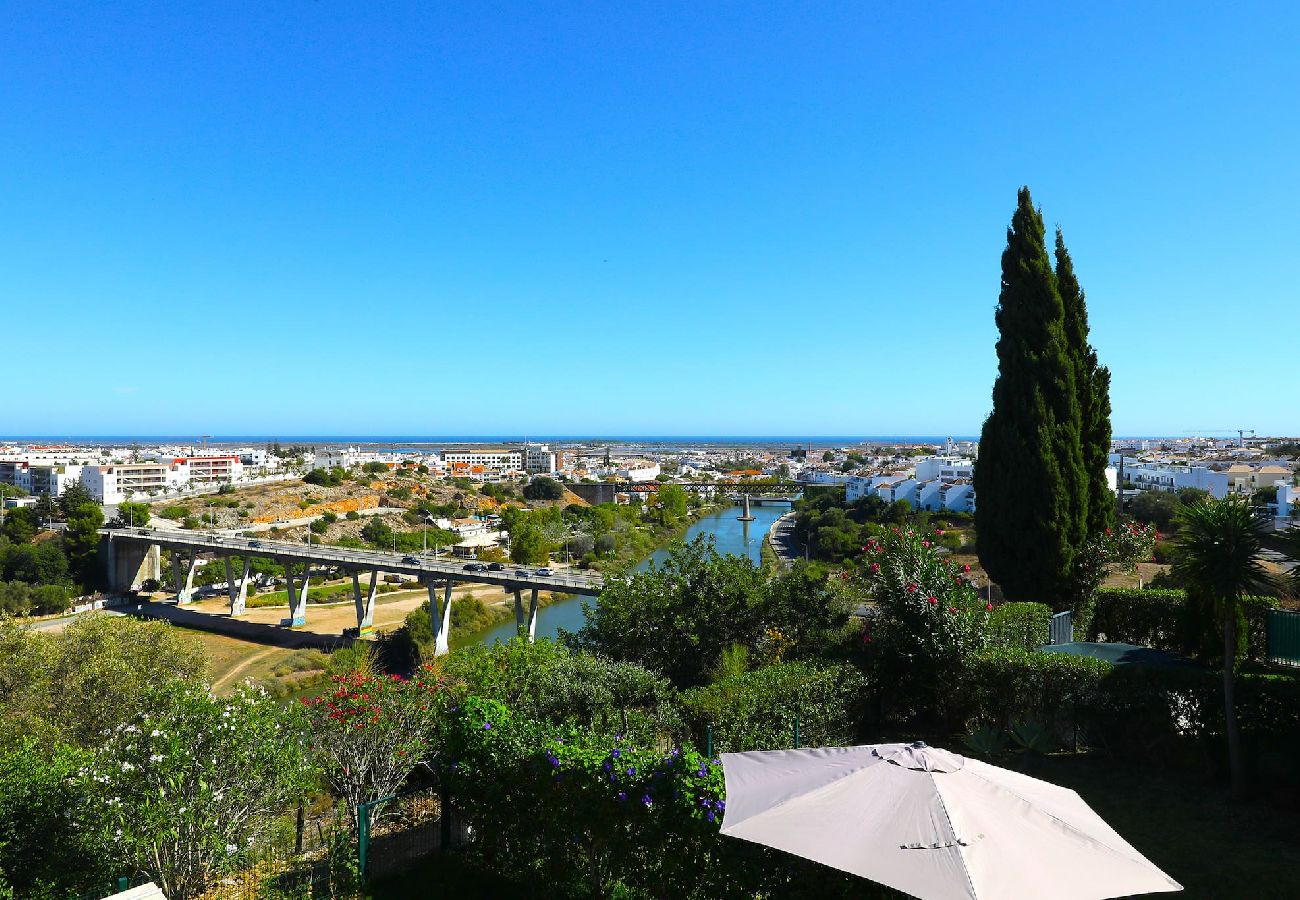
(1236, 765)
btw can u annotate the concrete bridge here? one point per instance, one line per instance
(133, 555)
(773, 491)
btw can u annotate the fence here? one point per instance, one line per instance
(394, 833)
(1283, 642)
(1061, 628)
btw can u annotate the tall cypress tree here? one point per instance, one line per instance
(1092, 381)
(1029, 477)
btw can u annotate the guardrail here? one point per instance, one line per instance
(400, 563)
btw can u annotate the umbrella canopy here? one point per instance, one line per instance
(931, 823)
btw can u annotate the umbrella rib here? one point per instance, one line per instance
(943, 804)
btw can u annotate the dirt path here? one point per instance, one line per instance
(241, 666)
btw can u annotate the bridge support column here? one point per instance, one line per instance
(519, 612)
(532, 617)
(297, 596)
(238, 591)
(441, 623)
(130, 563)
(366, 605)
(185, 582)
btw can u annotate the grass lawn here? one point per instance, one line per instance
(1211, 846)
(1214, 848)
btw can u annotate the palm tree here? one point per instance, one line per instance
(1218, 552)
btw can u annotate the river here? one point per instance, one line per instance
(729, 536)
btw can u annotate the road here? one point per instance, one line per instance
(422, 568)
(782, 538)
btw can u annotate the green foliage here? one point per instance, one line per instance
(1031, 477)
(375, 468)
(378, 532)
(174, 512)
(319, 526)
(543, 488)
(527, 544)
(1005, 686)
(74, 497)
(93, 677)
(326, 477)
(132, 515)
(40, 563)
(756, 710)
(1169, 620)
(46, 848)
(678, 618)
(671, 505)
(1019, 626)
(81, 543)
(1156, 507)
(192, 782)
(20, 524)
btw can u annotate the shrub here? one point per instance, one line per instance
(1019, 626)
(1005, 686)
(352, 515)
(1164, 619)
(174, 512)
(756, 710)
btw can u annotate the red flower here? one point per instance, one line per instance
(913, 588)
(989, 607)
(952, 609)
(875, 567)
(925, 543)
(965, 568)
(932, 600)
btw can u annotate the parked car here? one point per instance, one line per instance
(496, 567)
(544, 570)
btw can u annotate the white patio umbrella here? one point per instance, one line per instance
(931, 823)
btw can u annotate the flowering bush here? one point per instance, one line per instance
(192, 782)
(371, 731)
(931, 619)
(580, 804)
(931, 614)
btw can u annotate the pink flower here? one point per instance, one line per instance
(925, 543)
(965, 568)
(875, 568)
(938, 531)
(932, 600)
(989, 607)
(952, 609)
(913, 588)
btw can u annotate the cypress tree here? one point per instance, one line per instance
(1029, 520)
(1092, 381)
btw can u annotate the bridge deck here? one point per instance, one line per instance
(397, 563)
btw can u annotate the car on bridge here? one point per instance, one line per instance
(475, 567)
(496, 567)
(410, 559)
(544, 570)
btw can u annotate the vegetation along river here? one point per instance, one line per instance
(729, 536)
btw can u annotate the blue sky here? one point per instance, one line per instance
(328, 218)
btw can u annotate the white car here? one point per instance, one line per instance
(543, 571)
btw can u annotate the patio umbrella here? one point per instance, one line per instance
(931, 823)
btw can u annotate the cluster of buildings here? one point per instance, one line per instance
(112, 475)
(932, 483)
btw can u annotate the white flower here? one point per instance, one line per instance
(232, 848)
(127, 767)
(157, 757)
(155, 733)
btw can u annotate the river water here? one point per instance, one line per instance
(729, 536)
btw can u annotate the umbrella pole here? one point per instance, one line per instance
(796, 731)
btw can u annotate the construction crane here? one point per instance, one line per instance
(1241, 435)
(204, 438)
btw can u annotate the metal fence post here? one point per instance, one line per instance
(796, 731)
(708, 741)
(363, 837)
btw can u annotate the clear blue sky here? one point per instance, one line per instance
(307, 218)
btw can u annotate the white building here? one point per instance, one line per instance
(640, 470)
(1288, 505)
(483, 463)
(40, 477)
(114, 483)
(1171, 478)
(538, 459)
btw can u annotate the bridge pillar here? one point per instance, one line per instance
(297, 596)
(441, 623)
(532, 617)
(185, 581)
(130, 563)
(366, 605)
(519, 612)
(238, 591)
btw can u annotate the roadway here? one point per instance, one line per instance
(512, 578)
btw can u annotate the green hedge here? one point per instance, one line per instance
(1167, 716)
(756, 710)
(1157, 618)
(1020, 626)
